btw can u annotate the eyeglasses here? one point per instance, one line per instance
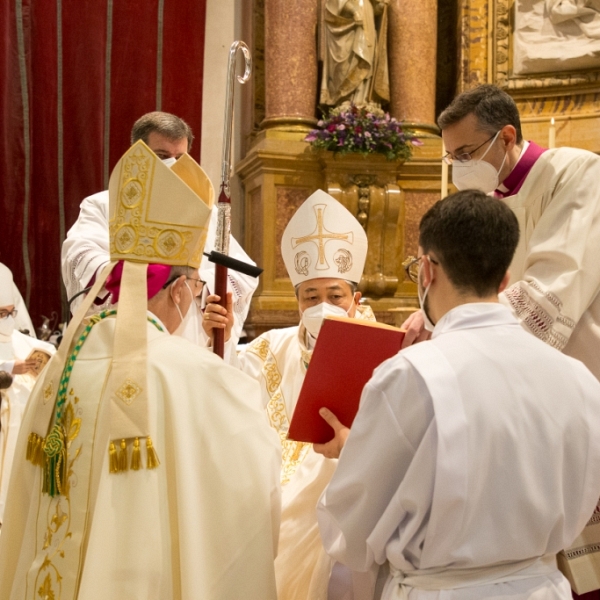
(176, 277)
(448, 158)
(411, 266)
(4, 314)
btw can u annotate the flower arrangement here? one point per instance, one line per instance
(365, 129)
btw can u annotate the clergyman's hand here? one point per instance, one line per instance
(333, 447)
(22, 366)
(217, 317)
(415, 330)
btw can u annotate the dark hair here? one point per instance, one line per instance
(172, 127)
(474, 237)
(493, 107)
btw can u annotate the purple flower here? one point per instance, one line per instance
(312, 136)
(416, 142)
(341, 127)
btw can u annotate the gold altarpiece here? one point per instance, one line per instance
(279, 170)
(487, 54)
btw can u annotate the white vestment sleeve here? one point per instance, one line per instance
(86, 247)
(359, 510)
(561, 276)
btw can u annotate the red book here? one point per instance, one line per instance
(345, 356)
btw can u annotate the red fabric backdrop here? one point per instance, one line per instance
(74, 76)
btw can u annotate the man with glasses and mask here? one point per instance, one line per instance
(15, 348)
(555, 280)
(324, 249)
(146, 467)
(85, 250)
(474, 457)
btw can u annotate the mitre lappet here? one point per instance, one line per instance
(323, 239)
(157, 216)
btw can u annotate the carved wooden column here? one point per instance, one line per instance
(290, 63)
(412, 48)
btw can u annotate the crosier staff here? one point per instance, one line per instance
(224, 204)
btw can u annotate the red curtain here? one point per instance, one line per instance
(74, 76)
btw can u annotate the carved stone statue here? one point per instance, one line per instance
(556, 35)
(353, 48)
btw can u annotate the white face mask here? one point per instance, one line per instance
(312, 317)
(7, 326)
(427, 322)
(188, 328)
(169, 161)
(477, 174)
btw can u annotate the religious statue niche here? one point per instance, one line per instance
(353, 52)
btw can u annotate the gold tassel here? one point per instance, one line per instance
(136, 458)
(113, 462)
(152, 458)
(123, 466)
(39, 456)
(30, 446)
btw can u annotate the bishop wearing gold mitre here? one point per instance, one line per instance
(146, 467)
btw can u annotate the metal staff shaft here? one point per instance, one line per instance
(224, 204)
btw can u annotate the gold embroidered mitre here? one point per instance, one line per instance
(158, 214)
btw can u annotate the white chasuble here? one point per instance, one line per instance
(203, 524)
(278, 359)
(471, 462)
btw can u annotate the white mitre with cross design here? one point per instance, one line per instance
(323, 239)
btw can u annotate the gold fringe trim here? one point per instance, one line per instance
(136, 456)
(113, 462)
(123, 466)
(151, 455)
(118, 462)
(35, 449)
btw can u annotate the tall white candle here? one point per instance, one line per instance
(444, 172)
(552, 134)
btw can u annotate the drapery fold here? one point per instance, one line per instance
(74, 76)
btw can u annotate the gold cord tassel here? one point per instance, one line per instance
(152, 458)
(55, 459)
(123, 466)
(30, 446)
(113, 462)
(136, 458)
(39, 456)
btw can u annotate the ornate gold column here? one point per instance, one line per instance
(412, 47)
(290, 63)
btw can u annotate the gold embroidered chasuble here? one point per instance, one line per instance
(175, 532)
(278, 359)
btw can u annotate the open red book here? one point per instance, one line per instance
(344, 358)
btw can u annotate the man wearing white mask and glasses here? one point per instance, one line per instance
(555, 280)
(324, 249)
(86, 248)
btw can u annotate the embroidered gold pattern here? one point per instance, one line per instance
(132, 233)
(128, 392)
(48, 582)
(321, 235)
(293, 453)
(48, 392)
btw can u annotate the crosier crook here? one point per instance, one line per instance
(224, 204)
